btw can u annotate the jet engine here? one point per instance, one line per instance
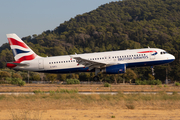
(115, 69)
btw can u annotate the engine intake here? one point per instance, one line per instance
(115, 69)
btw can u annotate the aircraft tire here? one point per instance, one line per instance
(96, 78)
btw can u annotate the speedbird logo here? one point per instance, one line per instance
(153, 52)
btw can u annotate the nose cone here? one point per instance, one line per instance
(172, 57)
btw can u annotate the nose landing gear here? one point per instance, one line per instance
(152, 70)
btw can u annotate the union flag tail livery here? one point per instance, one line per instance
(20, 51)
(112, 62)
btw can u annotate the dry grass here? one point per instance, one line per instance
(84, 87)
(63, 101)
(71, 106)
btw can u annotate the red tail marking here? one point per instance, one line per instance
(29, 57)
(12, 41)
(9, 65)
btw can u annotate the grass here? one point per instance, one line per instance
(112, 116)
(2, 97)
(130, 106)
(94, 98)
(85, 87)
(24, 114)
(31, 106)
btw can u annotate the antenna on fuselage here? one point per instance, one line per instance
(148, 47)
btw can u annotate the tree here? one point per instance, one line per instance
(129, 75)
(36, 77)
(16, 75)
(51, 77)
(4, 74)
(151, 77)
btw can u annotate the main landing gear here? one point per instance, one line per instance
(96, 78)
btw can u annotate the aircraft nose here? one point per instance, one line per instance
(172, 57)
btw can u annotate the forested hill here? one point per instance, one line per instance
(118, 25)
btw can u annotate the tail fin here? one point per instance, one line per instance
(20, 50)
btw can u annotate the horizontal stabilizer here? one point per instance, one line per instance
(13, 64)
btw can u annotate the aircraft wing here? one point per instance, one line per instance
(91, 63)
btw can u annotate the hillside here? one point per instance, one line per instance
(118, 25)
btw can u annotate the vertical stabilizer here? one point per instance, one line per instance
(20, 50)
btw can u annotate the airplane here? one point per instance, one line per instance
(111, 62)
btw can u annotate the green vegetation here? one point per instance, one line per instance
(148, 82)
(57, 91)
(177, 83)
(112, 116)
(127, 24)
(15, 81)
(38, 91)
(107, 84)
(73, 81)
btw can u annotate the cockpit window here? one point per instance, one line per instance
(163, 52)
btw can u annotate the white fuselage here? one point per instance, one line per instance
(132, 58)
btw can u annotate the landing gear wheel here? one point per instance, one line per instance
(96, 78)
(152, 70)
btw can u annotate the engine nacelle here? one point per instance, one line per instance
(115, 69)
